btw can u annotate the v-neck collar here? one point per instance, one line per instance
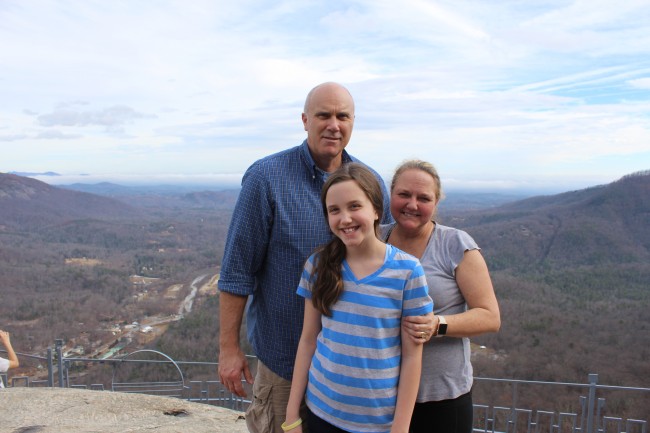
(390, 250)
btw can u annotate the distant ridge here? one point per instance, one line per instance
(165, 196)
(110, 189)
(29, 203)
(102, 188)
(22, 173)
(606, 224)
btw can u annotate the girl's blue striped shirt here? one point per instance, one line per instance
(355, 370)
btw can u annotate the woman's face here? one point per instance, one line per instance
(413, 199)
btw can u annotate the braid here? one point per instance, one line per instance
(327, 274)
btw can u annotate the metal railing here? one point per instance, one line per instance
(589, 418)
(588, 415)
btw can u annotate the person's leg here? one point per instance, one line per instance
(279, 401)
(447, 416)
(269, 403)
(258, 414)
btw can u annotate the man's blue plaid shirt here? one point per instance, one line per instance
(277, 224)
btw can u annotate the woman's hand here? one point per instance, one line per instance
(420, 328)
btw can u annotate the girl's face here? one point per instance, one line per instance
(350, 214)
(413, 199)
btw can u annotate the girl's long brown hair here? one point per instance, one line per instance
(326, 276)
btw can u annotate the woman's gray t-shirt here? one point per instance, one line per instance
(446, 366)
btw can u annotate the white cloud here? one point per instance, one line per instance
(12, 137)
(640, 83)
(111, 117)
(56, 135)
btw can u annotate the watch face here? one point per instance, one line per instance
(442, 329)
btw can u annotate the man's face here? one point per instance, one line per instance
(328, 120)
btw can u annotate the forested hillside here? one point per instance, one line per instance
(68, 259)
(571, 272)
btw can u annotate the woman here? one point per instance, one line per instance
(462, 293)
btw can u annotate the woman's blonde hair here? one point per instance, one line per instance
(418, 164)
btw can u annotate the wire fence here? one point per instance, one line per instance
(510, 406)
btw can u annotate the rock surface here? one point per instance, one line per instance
(57, 410)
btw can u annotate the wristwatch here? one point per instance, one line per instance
(442, 326)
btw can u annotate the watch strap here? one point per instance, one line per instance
(442, 327)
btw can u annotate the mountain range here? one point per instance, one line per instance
(571, 271)
(606, 224)
(594, 226)
(598, 226)
(29, 203)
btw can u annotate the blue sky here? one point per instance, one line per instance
(499, 95)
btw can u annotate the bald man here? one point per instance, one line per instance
(277, 223)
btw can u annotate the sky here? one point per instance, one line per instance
(498, 95)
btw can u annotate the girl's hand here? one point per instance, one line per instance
(420, 328)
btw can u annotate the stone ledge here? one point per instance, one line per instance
(56, 410)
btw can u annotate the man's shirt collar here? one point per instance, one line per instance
(311, 165)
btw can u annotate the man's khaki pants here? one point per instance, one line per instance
(269, 404)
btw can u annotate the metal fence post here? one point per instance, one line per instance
(513, 410)
(50, 368)
(591, 402)
(66, 373)
(59, 353)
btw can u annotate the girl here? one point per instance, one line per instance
(355, 367)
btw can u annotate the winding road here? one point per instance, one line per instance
(186, 305)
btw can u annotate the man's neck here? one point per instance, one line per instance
(329, 165)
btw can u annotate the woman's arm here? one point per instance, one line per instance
(306, 348)
(409, 382)
(13, 359)
(482, 313)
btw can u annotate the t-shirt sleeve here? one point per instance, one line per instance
(305, 284)
(416, 293)
(458, 242)
(4, 365)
